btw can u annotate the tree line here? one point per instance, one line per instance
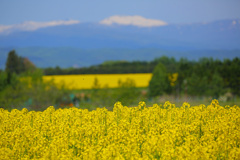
(205, 77)
(109, 67)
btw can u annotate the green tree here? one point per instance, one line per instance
(216, 86)
(184, 71)
(169, 63)
(17, 64)
(13, 64)
(231, 75)
(27, 65)
(3, 80)
(197, 85)
(159, 83)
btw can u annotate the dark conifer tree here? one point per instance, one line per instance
(13, 64)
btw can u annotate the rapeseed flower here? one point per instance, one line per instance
(168, 132)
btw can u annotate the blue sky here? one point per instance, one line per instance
(170, 11)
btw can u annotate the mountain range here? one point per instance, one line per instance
(84, 44)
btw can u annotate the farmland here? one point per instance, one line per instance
(96, 116)
(86, 81)
(158, 132)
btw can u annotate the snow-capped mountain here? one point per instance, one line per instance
(69, 43)
(115, 32)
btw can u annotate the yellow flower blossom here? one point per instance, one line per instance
(168, 132)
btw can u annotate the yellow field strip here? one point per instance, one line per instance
(86, 81)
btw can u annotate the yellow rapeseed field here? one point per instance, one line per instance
(86, 81)
(157, 132)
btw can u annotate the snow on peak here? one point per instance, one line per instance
(31, 25)
(133, 20)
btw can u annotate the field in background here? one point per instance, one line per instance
(86, 81)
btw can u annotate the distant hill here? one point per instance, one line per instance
(85, 44)
(74, 57)
(223, 34)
